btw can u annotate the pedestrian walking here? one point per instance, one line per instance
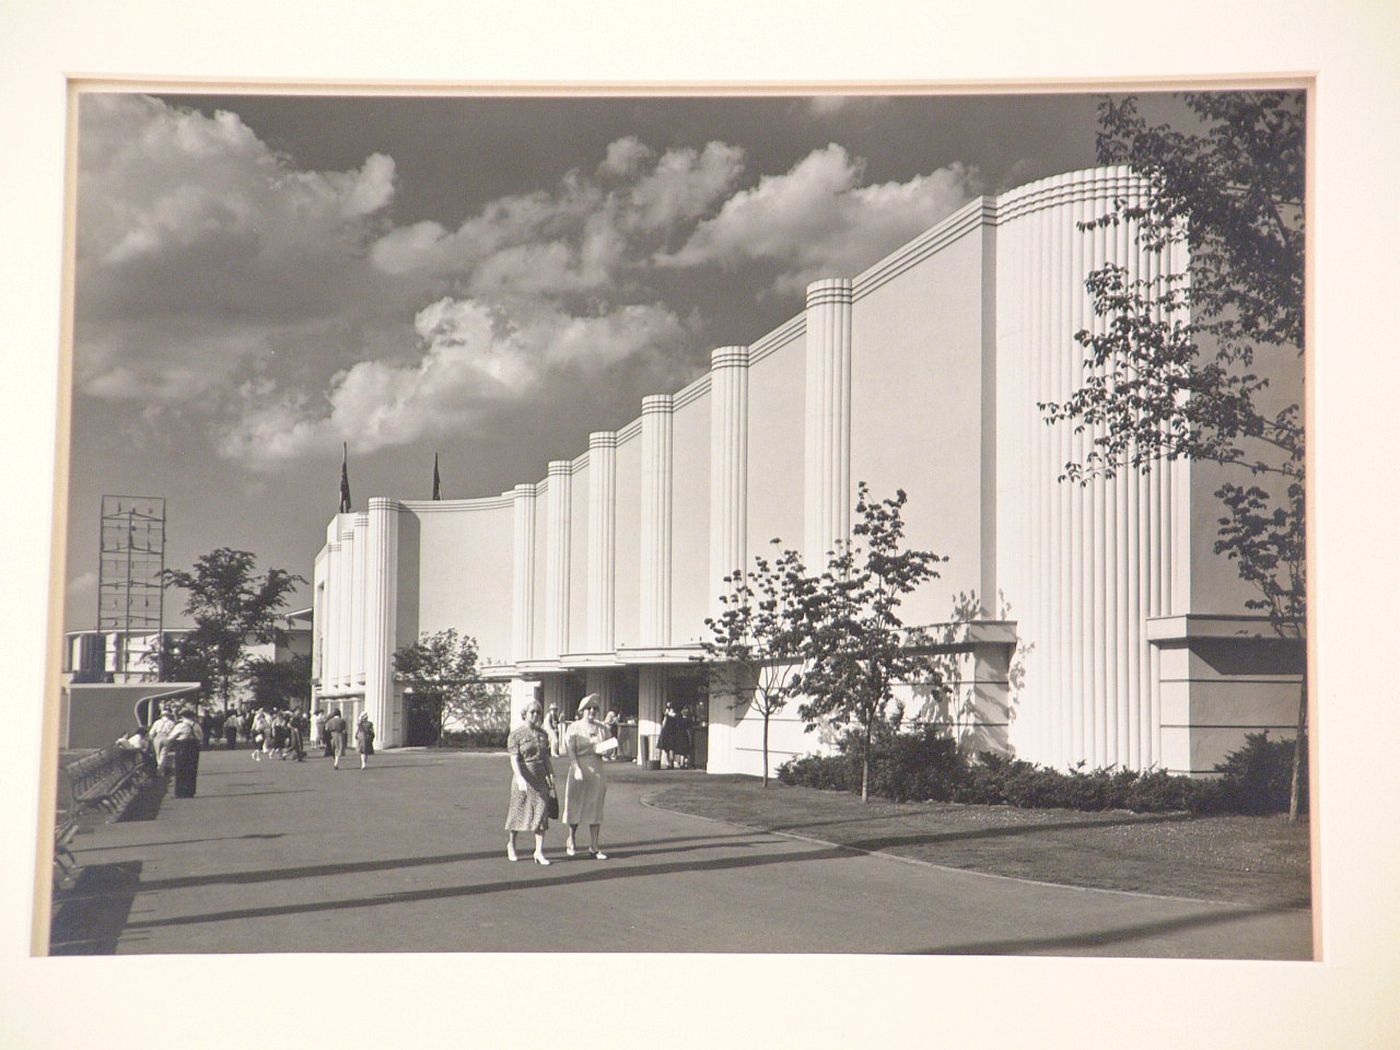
(532, 781)
(554, 726)
(364, 737)
(262, 735)
(587, 786)
(335, 737)
(231, 731)
(610, 723)
(161, 729)
(294, 742)
(673, 742)
(184, 742)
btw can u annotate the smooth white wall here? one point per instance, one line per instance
(628, 522)
(690, 518)
(775, 444)
(465, 563)
(916, 392)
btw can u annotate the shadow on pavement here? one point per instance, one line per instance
(1097, 938)
(316, 871)
(585, 871)
(89, 918)
(85, 850)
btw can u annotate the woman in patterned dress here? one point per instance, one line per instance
(532, 781)
(587, 785)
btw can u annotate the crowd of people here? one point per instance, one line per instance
(173, 741)
(171, 744)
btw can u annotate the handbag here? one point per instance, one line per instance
(552, 806)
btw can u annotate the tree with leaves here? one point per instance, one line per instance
(1172, 371)
(442, 680)
(232, 607)
(854, 646)
(754, 645)
(280, 683)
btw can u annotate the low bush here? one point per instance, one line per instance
(1258, 778)
(926, 766)
(461, 739)
(826, 772)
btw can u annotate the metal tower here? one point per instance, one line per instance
(131, 569)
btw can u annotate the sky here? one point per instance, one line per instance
(260, 279)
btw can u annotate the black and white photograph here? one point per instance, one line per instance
(775, 528)
(778, 515)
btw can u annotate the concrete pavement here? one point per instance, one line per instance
(409, 856)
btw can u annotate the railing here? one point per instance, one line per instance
(107, 781)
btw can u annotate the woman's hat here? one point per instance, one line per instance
(589, 702)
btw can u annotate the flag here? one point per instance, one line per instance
(345, 479)
(437, 481)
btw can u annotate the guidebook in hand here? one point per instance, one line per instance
(602, 747)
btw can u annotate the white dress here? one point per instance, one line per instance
(587, 785)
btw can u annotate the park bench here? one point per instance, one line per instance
(105, 781)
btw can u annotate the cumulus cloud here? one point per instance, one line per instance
(475, 360)
(584, 235)
(82, 585)
(818, 220)
(830, 105)
(197, 243)
(285, 311)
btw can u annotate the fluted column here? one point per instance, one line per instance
(330, 665)
(729, 465)
(827, 448)
(556, 570)
(602, 541)
(523, 589)
(358, 609)
(1088, 565)
(344, 677)
(600, 680)
(651, 705)
(555, 690)
(381, 614)
(657, 439)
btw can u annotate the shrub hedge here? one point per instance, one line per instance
(925, 765)
(467, 738)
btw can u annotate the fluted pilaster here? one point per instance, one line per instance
(330, 669)
(1092, 562)
(602, 541)
(600, 680)
(558, 515)
(523, 576)
(729, 460)
(381, 612)
(358, 610)
(651, 705)
(657, 481)
(827, 447)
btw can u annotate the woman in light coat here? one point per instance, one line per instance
(587, 785)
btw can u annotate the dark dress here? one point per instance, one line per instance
(335, 735)
(529, 809)
(184, 743)
(675, 735)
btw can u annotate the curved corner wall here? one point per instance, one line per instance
(1082, 566)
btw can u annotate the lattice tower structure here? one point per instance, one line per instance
(131, 571)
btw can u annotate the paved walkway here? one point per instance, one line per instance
(409, 856)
